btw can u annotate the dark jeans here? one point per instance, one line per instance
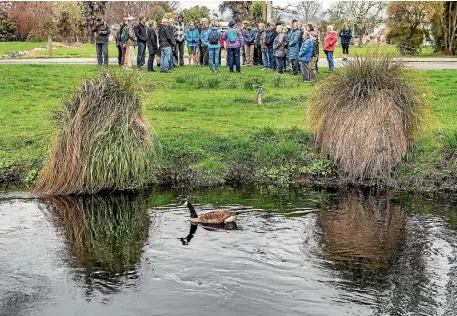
(102, 54)
(119, 55)
(178, 58)
(345, 48)
(281, 61)
(257, 55)
(205, 56)
(329, 59)
(151, 61)
(304, 65)
(272, 59)
(294, 63)
(200, 58)
(140, 59)
(233, 56)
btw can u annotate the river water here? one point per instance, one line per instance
(300, 252)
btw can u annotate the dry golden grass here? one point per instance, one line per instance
(366, 115)
(105, 142)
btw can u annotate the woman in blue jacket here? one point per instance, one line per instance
(305, 56)
(345, 35)
(213, 38)
(192, 37)
(204, 43)
(293, 46)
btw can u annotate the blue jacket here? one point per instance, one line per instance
(306, 50)
(219, 34)
(203, 37)
(249, 36)
(345, 36)
(294, 44)
(192, 37)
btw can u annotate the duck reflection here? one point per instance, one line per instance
(212, 227)
(104, 235)
(361, 236)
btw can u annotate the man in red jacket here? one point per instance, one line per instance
(329, 46)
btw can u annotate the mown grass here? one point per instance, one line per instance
(88, 50)
(209, 135)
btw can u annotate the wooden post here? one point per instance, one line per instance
(50, 45)
(264, 11)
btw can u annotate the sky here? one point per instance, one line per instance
(213, 5)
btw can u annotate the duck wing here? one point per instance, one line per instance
(215, 217)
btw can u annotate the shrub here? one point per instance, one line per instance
(104, 142)
(366, 116)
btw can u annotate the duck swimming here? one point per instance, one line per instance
(214, 217)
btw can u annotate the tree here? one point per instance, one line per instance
(310, 11)
(257, 12)
(240, 10)
(156, 14)
(29, 17)
(365, 15)
(195, 13)
(169, 15)
(443, 18)
(92, 9)
(7, 28)
(117, 10)
(406, 21)
(69, 19)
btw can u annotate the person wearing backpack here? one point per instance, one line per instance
(269, 39)
(120, 43)
(204, 42)
(102, 31)
(192, 37)
(233, 42)
(293, 48)
(214, 45)
(249, 39)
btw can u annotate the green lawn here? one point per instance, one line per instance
(88, 50)
(206, 133)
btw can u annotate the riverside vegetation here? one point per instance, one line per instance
(212, 132)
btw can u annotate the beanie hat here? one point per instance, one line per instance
(232, 23)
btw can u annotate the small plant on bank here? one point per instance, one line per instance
(200, 84)
(366, 115)
(232, 84)
(279, 81)
(213, 82)
(450, 142)
(180, 79)
(104, 143)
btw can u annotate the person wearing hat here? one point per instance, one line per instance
(102, 31)
(130, 44)
(233, 42)
(180, 40)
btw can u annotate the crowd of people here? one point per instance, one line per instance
(293, 48)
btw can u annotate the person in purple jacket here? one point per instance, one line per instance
(233, 42)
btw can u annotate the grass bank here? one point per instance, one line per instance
(88, 50)
(211, 130)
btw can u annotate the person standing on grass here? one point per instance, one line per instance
(345, 37)
(249, 42)
(192, 37)
(120, 43)
(102, 31)
(293, 47)
(258, 46)
(279, 49)
(141, 34)
(180, 40)
(204, 43)
(269, 39)
(165, 42)
(233, 42)
(130, 44)
(214, 49)
(264, 47)
(329, 46)
(222, 43)
(313, 68)
(152, 44)
(199, 28)
(305, 54)
(173, 57)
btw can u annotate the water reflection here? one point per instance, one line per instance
(105, 236)
(360, 235)
(211, 227)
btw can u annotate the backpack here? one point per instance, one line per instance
(231, 35)
(315, 51)
(125, 34)
(213, 37)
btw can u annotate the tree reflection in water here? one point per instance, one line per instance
(105, 236)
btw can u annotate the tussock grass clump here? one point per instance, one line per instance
(213, 82)
(104, 140)
(366, 115)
